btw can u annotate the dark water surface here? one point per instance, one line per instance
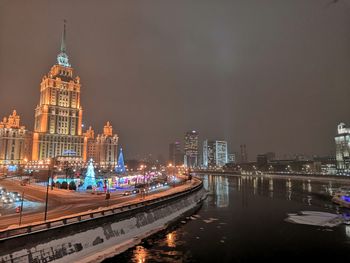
(242, 220)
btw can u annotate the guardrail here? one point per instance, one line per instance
(84, 217)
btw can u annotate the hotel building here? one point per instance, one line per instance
(58, 116)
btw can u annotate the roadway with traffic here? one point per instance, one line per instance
(61, 202)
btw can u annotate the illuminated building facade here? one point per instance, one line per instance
(107, 148)
(15, 141)
(191, 149)
(58, 117)
(231, 158)
(215, 153)
(342, 144)
(91, 152)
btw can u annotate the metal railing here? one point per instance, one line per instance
(84, 217)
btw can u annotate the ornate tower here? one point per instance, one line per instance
(107, 147)
(58, 117)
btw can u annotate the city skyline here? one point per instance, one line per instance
(224, 109)
(174, 131)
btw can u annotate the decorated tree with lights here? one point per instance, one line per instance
(90, 179)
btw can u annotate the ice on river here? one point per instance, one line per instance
(315, 218)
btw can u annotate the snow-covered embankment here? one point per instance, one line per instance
(95, 240)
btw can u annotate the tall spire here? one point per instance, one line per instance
(62, 57)
(63, 40)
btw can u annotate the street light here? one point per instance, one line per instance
(49, 176)
(47, 194)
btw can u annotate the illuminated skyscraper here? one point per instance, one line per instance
(342, 143)
(244, 155)
(191, 149)
(15, 141)
(58, 117)
(215, 153)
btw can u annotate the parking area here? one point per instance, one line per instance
(8, 197)
(11, 201)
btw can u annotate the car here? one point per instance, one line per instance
(5, 195)
(15, 194)
(7, 200)
(132, 192)
(16, 198)
(136, 191)
(127, 193)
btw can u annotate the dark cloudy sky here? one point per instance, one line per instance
(273, 74)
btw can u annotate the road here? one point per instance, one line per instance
(61, 202)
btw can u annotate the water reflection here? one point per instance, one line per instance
(255, 185)
(219, 187)
(140, 254)
(287, 188)
(171, 239)
(347, 231)
(231, 231)
(309, 187)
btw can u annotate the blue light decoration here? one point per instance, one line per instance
(69, 153)
(346, 198)
(90, 179)
(12, 168)
(120, 168)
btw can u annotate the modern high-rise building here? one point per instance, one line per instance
(191, 149)
(244, 154)
(58, 116)
(231, 158)
(342, 144)
(175, 154)
(15, 141)
(107, 148)
(215, 153)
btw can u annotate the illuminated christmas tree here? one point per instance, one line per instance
(120, 168)
(90, 179)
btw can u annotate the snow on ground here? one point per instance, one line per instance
(96, 244)
(170, 191)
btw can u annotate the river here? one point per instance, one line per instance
(242, 220)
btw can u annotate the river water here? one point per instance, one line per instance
(242, 220)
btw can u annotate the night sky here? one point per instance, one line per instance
(272, 74)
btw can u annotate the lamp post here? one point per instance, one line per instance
(47, 190)
(47, 195)
(20, 215)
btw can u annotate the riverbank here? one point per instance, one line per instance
(345, 180)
